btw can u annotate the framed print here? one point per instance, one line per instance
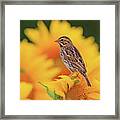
(60, 60)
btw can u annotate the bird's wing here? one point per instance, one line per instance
(73, 55)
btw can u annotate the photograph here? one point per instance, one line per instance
(59, 60)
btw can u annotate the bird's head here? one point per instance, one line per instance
(64, 41)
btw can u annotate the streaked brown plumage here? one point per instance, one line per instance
(71, 57)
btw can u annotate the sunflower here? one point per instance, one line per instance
(60, 87)
(82, 92)
(69, 88)
(43, 39)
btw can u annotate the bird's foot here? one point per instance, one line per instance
(74, 75)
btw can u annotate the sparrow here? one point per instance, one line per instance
(72, 58)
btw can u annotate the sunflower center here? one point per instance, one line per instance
(76, 93)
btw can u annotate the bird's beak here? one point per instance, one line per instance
(56, 40)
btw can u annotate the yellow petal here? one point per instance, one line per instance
(27, 53)
(94, 65)
(94, 88)
(55, 86)
(76, 34)
(58, 28)
(44, 33)
(95, 96)
(33, 35)
(41, 70)
(63, 28)
(25, 89)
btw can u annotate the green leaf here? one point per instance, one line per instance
(52, 94)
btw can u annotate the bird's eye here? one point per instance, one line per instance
(61, 39)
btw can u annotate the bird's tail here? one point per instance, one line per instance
(87, 80)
